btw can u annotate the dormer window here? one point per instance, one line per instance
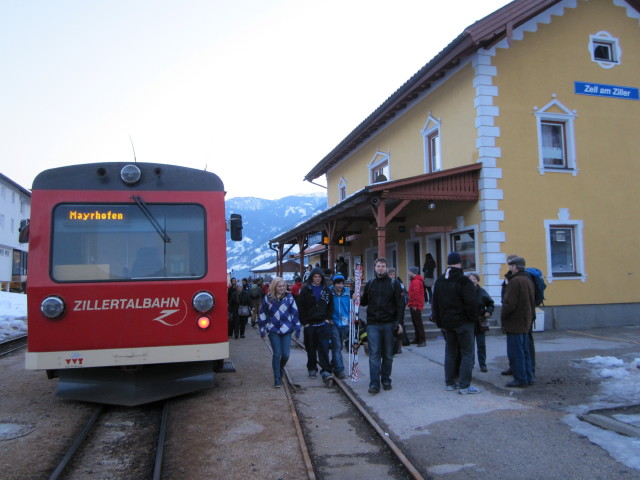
(342, 189)
(379, 168)
(431, 139)
(605, 49)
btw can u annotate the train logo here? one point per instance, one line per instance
(170, 311)
(75, 360)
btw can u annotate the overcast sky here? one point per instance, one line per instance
(258, 91)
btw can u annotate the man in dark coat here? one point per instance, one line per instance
(518, 309)
(454, 311)
(315, 308)
(384, 300)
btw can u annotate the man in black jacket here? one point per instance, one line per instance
(385, 307)
(454, 311)
(315, 308)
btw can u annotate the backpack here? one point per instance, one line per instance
(538, 282)
(254, 291)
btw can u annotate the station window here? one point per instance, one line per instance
(556, 139)
(342, 189)
(465, 244)
(565, 253)
(605, 49)
(432, 151)
(379, 168)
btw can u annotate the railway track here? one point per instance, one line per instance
(9, 346)
(117, 443)
(386, 446)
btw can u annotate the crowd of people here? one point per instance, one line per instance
(319, 303)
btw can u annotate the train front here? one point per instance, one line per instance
(127, 294)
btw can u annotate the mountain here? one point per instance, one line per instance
(263, 220)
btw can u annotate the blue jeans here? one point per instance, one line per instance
(460, 339)
(380, 338)
(338, 335)
(481, 345)
(281, 346)
(520, 357)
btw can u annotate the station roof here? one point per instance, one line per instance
(482, 34)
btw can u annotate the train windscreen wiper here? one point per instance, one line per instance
(152, 220)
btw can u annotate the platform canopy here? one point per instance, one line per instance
(287, 266)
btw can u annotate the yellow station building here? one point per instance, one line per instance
(522, 136)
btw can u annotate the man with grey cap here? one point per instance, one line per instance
(454, 310)
(518, 307)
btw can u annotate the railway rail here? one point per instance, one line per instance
(9, 346)
(346, 393)
(84, 453)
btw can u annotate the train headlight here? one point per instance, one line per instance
(203, 302)
(130, 174)
(52, 307)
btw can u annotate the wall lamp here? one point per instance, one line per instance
(431, 205)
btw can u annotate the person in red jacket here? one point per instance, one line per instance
(416, 304)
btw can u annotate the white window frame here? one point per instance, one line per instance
(578, 245)
(432, 131)
(566, 118)
(342, 189)
(380, 162)
(605, 39)
(471, 228)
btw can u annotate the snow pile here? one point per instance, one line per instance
(13, 315)
(620, 386)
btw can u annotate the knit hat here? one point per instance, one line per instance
(338, 278)
(518, 261)
(454, 258)
(414, 270)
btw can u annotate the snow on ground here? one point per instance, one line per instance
(620, 386)
(13, 315)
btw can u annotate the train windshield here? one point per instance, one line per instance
(124, 242)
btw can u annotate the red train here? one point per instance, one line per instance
(127, 283)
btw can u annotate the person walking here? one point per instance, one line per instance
(485, 310)
(315, 307)
(416, 304)
(339, 323)
(240, 310)
(518, 309)
(278, 319)
(429, 271)
(454, 311)
(385, 307)
(255, 296)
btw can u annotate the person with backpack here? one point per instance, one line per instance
(454, 310)
(255, 296)
(518, 310)
(315, 307)
(539, 287)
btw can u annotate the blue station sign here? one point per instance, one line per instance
(610, 91)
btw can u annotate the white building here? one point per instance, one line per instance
(15, 206)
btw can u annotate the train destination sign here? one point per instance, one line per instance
(610, 91)
(95, 215)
